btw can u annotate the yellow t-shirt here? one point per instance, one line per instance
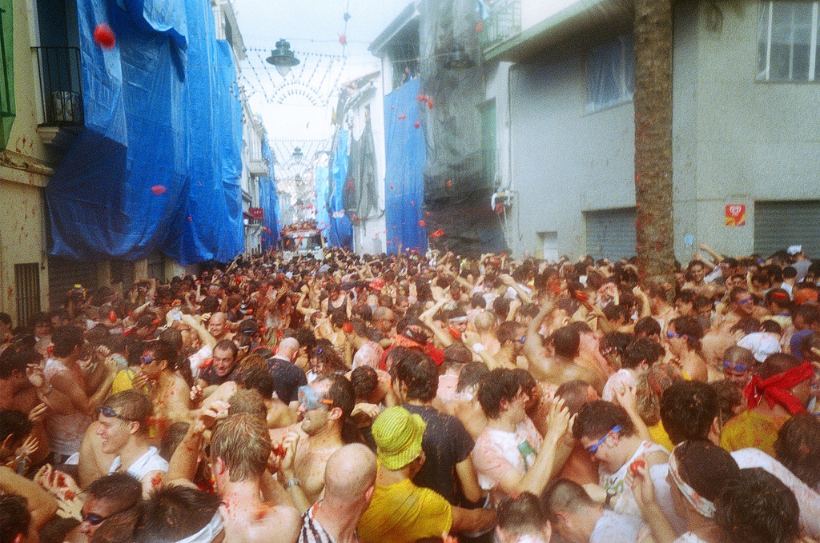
(751, 429)
(404, 513)
(659, 436)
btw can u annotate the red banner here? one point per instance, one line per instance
(256, 213)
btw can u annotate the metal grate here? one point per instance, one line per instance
(503, 22)
(27, 283)
(60, 85)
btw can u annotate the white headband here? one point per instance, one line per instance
(207, 533)
(702, 505)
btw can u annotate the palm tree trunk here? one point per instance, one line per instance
(653, 139)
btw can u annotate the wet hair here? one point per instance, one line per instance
(13, 360)
(13, 423)
(14, 517)
(617, 341)
(247, 401)
(364, 380)
(798, 447)
(690, 328)
(457, 354)
(521, 515)
(771, 327)
(172, 513)
(688, 409)
(341, 393)
(756, 507)
(596, 419)
(243, 443)
(729, 398)
(777, 363)
(651, 386)
(65, 339)
(499, 384)
(641, 350)
(257, 379)
(470, 375)
(564, 495)
(566, 341)
(121, 490)
(574, 393)
(705, 467)
(647, 326)
(508, 331)
(227, 344)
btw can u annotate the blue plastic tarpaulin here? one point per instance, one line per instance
(404, 180)
(269, 201)
(340, 229)
(158, 163)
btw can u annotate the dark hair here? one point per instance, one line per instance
(508, 331)
(13, 360)
(641, 350)
(521, 514)
(566, 341)
(341, 393)
(798, 447)
(14, 517)
(65, 339)
(499, 384)
(227, 344)
(617, 341)
(777, 363)
(647, 326)
(756, 507)
(471, 374)
(691, 329)
(687, 410)
(258, 379)
(574, 393)
(729, 397)
(364, 380)
(564, 495)
(5, 318)
(596, 419)
(13, 423)
(175, 512)
(478, 301)
(705, 467)
(419, 374)
(120, 489)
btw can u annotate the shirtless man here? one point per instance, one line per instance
(555, 370)
(218, 326)
(485, 326)
(324, 406)
(170, 392)
(240, 448)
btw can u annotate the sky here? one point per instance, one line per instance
(312, 27)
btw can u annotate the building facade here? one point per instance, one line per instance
(746, 133)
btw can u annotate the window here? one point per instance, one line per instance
(787, 42)
(7, 109)
(27, 283)
(610, 74)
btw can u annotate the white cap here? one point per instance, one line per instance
(761, 344)
(794, 249)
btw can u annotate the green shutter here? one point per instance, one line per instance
(7, 68)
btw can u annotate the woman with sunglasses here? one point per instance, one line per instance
(683, 341)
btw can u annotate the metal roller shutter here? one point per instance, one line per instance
(780, 224)
(611, 233)
(63, 274)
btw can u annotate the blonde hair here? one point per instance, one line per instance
(243, 443)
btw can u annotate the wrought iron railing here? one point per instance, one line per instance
(502, 23)
(60, 85)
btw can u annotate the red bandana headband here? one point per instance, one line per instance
(775, 389)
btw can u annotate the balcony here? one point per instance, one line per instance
(257, 167)
(503, 22)
(60, 94)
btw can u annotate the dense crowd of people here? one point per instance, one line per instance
(420, 397)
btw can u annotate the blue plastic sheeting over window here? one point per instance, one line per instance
(340, 229)
(159, 112)
(322, 177)
(404, 180)
(269, 201)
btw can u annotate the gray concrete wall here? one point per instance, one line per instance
(735, 140)
(565, 160)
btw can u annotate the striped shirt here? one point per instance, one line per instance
(312, 531)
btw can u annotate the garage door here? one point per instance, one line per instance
(780, 224)
(611, 233)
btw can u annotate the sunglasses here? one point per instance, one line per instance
(309, 399)
(672, 335)
(146, 359)
(592, 449)
(738, 367)
(745, 301)
(93, 518)
(108, 411)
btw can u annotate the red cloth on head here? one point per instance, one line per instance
(776, 389)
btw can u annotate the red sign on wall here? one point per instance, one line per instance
(735, 214)
(256, 213)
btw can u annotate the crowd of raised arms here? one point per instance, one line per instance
(420, 397)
